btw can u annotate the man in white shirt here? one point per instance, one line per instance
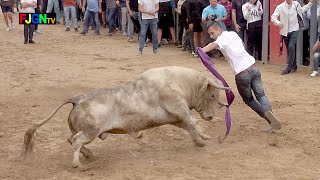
(247, 74)
(28, 6)
(149, 11)
(289, 28)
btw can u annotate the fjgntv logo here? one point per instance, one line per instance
(37, 18)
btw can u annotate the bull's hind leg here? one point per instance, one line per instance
(86, 152)
(78, 140)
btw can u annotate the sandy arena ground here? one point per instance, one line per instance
(37, 78)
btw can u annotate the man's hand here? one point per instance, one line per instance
(281, 25)
(316, 46)
(83, 9)
(191, 27)
(237, 27)
(249, 8)
(130, 13)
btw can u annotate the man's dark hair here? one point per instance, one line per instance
(215, 25)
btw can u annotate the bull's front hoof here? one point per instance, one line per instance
(199, 144)
(205, 136)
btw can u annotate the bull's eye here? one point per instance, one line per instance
(212, 95)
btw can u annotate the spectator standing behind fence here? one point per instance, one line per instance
(316, 47)
(69, 8)
(28, 7)
(228, 7)
(111, 14)
(215, 12)
(7, 9)
(166, 19)
(181, 20)
(194, 14)
(54, 4)
(252, 12)
(149, 12)
(92, 11)
(123, 16)
(289, 11)
(133, 16)
(187, 36)
(237, 17)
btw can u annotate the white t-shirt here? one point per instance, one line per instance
(28, 9)
(293, 20)
(149, 5)
(231, 46)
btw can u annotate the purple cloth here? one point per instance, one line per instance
(230, 96)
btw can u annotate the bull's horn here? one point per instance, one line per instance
(222, 104)
(212, 83)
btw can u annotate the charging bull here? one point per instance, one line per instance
(156, 97)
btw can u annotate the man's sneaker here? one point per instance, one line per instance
(8, 29)
(274, 124)
(193, 53)
(130, 39)
(37, 32)
(155, 51)
(314, 74)
(67, 29)
(25, 42)
(31, 42)
(124, 34)
(139, 53)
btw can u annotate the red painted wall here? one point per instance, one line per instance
(275, 39)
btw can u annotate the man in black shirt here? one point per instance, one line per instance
(134, 19)
(194, 14)
(237, 17)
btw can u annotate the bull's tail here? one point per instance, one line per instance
(28, 137)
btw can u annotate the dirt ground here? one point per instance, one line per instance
(37, 78)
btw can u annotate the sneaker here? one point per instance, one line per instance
(193, 53)
(314, 74)
(25, 42)
(124, 34)
(37, 32)
(130, 39)
(31, 42)
(8, 29)
(139, 53)
(67, 29)
(155, 51)
(285, 71)
(274, 124)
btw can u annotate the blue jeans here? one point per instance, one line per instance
(89, 15)
(130, 23)
(111, 12)
(153, 25)
(316, 58)
(67, 11)
(291, 42)
(251, 81)
(54, 4)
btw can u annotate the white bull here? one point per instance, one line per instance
(156, 97)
